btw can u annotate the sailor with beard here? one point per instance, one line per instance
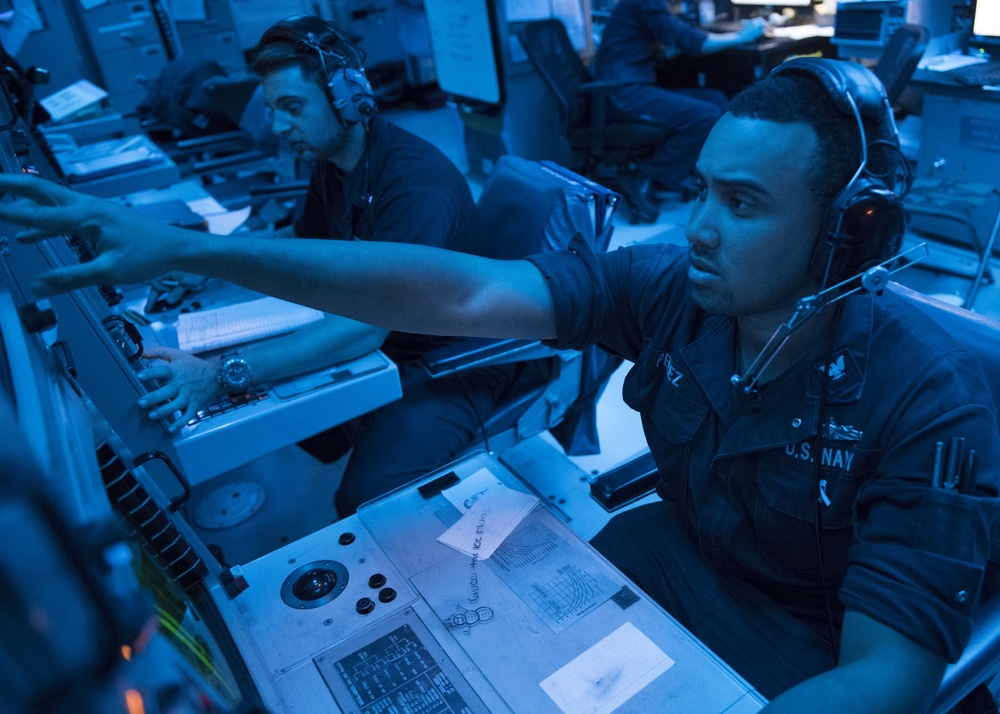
(800, 535)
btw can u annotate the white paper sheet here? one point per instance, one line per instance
(214, 329)
(470, 489)
(604, 677)
(490, 519)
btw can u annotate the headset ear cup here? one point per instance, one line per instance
(863, 228)
(352, 96)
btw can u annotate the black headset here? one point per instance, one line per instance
(348, 89)
(864, 222)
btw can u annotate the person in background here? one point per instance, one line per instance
(637, 36)
(801, 534)
(371, 181)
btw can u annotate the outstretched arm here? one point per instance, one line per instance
(395, 286)
(750, 32)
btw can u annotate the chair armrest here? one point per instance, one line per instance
(283, 189)
(625, 483)
(227, 161)
(481, 352)
(603, 85)
(211, 141)
(980, 661)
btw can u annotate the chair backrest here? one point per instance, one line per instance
(527, 207)
(550, 50)
(980, 661)
(900, 58)
(978, 334)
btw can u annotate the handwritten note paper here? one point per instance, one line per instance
(464, 494)
(604, 677)
(489, 520)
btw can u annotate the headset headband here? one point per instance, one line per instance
(864, 221)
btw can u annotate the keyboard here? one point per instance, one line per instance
(979, 75)
(237, 429)
(723, 26)
(230, 402)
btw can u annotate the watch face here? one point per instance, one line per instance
(234, 374)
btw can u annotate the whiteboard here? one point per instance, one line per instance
(464, 43)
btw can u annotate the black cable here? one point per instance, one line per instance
(818, 456)
(472, 406)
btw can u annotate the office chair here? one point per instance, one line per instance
(527, 207)
(900, 57)
(980, 662)
(601, 149)
(210, 123)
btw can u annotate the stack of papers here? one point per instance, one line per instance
(67, 103)
(222, 327)
(113, 156)
(946, 63)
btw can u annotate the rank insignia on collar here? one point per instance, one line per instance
(840, 372)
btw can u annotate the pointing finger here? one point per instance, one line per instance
(61, 280)
(35, 189)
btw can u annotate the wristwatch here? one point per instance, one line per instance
(234, 374)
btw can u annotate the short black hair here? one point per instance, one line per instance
(278, 55)
(791, 98)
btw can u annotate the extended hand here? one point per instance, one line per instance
(129, 247)
(752, 30)
(187, 384)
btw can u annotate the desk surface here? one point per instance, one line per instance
(943, 83)
(736, 68)
(543, 625)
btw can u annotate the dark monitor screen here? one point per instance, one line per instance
(81, 590)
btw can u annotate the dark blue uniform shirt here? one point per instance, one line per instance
(403, 190)
(635, 37)
(746, 473)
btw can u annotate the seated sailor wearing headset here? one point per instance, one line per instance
(372, 181)
(801, 534)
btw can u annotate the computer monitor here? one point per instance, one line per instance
(776, 3)
(467, 49)
(986, 27)
(82, 584)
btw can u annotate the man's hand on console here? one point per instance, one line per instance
(752, 31)
(186, 384)
(128, 246)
